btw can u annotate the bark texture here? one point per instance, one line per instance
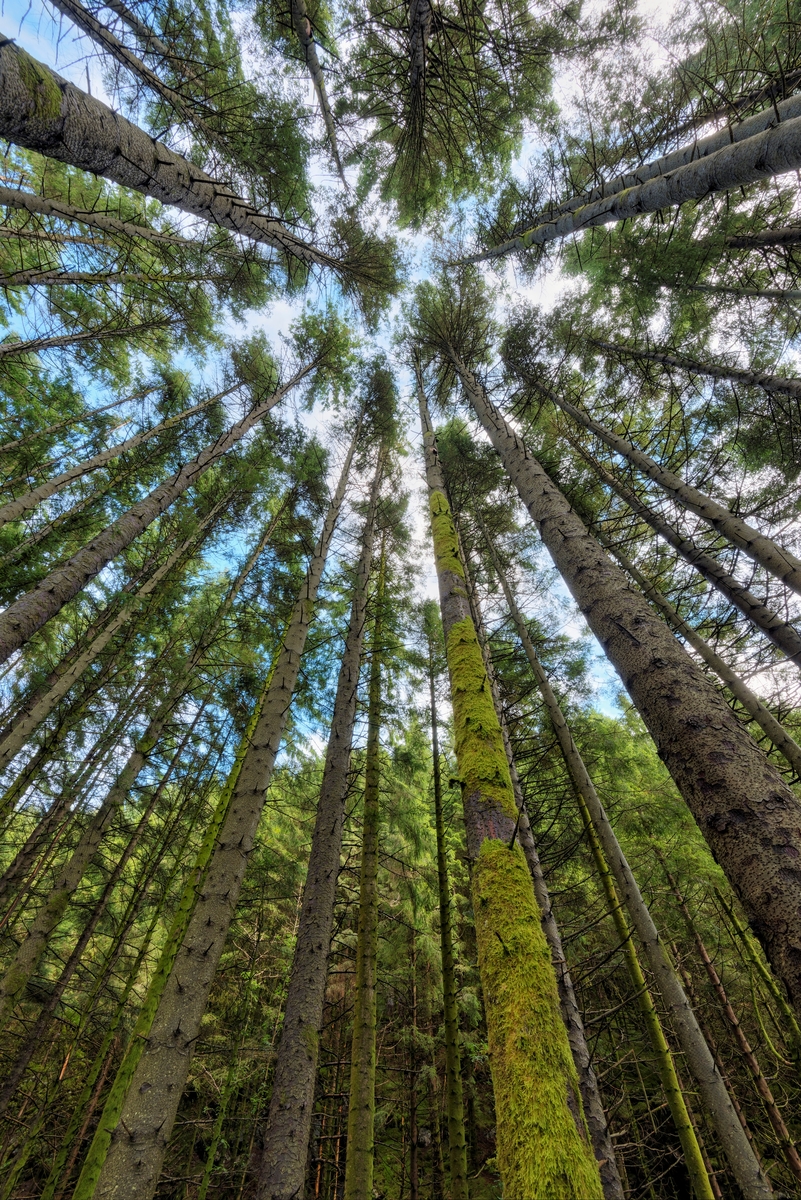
(41, 111)
(28, 614)
(571, 1015)
(609, 854)
(139, 1136)
(763, 550)
(732, 132)
(543, 1144)
(772, 152)
(303, 29)
(742, 693)
(780, 632)
(286, 1138)
(749, 816)
(457, 1143)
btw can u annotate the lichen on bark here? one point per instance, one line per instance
(446, 546)
(40, 85)
(533, 1073)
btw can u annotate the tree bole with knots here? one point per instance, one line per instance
(41, 111)
(748, 815)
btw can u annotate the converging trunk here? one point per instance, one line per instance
(543, 1144)
(745, 810)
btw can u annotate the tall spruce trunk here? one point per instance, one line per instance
(286, 1137)
(457, 1142)
(14, 509)
(745, 810)
(776, 628)
(738, 1033)
(763, 550)
(543, 1145)
(571, 1014)
(38, 706)
(28, 614)
(303, 29)
(43, 112)
(607, 850)
(773, 151)
(125, 1160)
(360, 1156)
(781, 739)
(70, 875)
(762, 379)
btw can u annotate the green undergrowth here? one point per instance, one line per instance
(541, 1153)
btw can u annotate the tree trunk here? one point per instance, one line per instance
(571, 1014)
(768, 382)
(775, 151)
(751, 703)
(359, 1160)
(303, 29)
(34, 345)
(286, 1137)
(701, 148)
(761, 549)
(14, 509)
(38, 706)
(457, 1144)
(28, 614)
(745, 810)
(738, 1033)
(746, 1168)
(787, 235)
(43, 112)
(543, 1144)
(126, 1155)
(780, 632)
(77, 418)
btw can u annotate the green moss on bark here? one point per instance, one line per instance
(544, 1150)
(480, 753)
(40, 86)
(446, 545)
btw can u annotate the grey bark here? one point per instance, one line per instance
(761, 549)
(701, 148)
(303, 29)
(744, 808)
(751, 703)
(47, 207)
(132, 1168)
(28, 614)
(787, 235)
(40, 705)
(34, 345)
(717, 1102)
(780, 632)
(18, 507)
(593, 1109)
(150, 40)
(286, 1137)
(772, 152)
(41, 111)
(768, 382)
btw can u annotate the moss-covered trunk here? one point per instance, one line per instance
(544, 1148)
(457, 1142)
(361, 1106)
